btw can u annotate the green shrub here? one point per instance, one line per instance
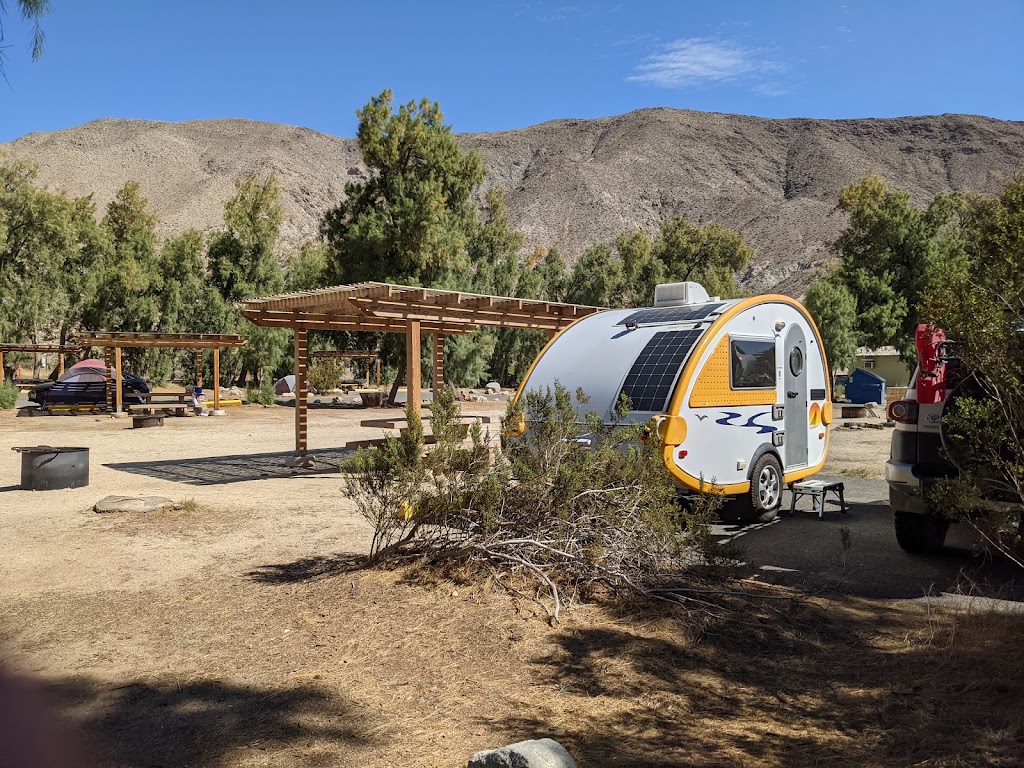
(575, 514)
(262, 395)
(325, 374)
(8, 396)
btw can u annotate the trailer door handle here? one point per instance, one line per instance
(792, 395)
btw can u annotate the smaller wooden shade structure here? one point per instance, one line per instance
(43, 349)
(113, 342)
(337, 355)
(389, 308)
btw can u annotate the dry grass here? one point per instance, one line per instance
(859, 472)
(317, 661)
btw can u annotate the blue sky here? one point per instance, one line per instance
(500, 65)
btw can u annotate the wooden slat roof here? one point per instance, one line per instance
(387, 307)
(42, 348)
(161, 340)
(326, 353)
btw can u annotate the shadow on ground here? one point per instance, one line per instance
(857, 554)
(308, 569)
(203, 723)
(221, 470)
(800, 687)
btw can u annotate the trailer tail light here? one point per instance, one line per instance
(903, 411)
(515, 426)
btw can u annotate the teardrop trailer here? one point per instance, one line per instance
(738, 390)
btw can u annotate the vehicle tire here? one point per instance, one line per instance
(761, 504)
(920, 534)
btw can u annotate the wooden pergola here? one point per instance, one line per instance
(113, 342)
(44, 349)
(387, 308)
(338, 355)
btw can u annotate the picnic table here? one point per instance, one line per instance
(179, 402)
(402, 424)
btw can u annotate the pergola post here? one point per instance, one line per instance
(199, 368)
(301, 360)
(60, 363)
(414, 394)
(119, 393)
(2, 378)
(378, 372)
(552, 333)
(108, 364)
(216, 378)
(438, 369)
(367, 371)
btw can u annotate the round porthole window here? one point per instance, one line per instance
(796, 361)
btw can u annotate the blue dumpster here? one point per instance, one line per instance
(865, 387)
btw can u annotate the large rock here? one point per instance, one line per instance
(131, 504)
(538, 753)
(493, 387)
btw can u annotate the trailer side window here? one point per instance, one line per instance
(753, 364)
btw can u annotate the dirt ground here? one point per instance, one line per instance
(239, 629)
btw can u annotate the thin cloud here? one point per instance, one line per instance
(770, 89)
(699, 61)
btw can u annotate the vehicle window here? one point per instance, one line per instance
(753, 364)
(796, 361)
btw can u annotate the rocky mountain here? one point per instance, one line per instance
(570, 183)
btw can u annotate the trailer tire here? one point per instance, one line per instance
(761, 504)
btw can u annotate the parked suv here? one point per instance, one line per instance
(917, 459)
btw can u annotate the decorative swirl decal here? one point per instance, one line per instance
(762, 429)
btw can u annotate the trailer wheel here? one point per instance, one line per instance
(761, 505)
(766, 488)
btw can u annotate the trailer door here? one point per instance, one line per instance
(795, 363)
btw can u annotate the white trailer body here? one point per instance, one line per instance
(727, 382)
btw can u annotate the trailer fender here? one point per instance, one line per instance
(761, 451)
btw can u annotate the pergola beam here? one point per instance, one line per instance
(158, 340)
(43, 349)
(316, 321)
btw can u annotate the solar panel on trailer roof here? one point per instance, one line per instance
(671, 314)
(649, 381)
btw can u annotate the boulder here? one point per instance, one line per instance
(493, 387)
(131, 504)
(538, 753)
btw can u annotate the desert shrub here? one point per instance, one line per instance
(262, 395)
(8, 396)
(575, 506)
(325, 374)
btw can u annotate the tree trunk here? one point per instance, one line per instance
(399, 377)
(242, 376)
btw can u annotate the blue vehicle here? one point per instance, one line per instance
(85, 384)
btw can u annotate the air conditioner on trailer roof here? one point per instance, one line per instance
(680, 294)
